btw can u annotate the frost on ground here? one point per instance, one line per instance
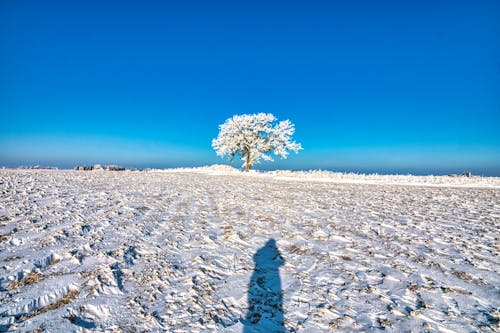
(215, 250)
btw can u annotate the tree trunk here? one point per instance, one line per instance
(247, 163)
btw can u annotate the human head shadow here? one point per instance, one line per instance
(265, 297)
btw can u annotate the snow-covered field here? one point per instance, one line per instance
(212, 249)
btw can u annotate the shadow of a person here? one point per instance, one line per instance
(265, 298)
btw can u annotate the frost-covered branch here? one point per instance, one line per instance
(255, 137)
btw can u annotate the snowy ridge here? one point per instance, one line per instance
(188, 251)
(339, 177)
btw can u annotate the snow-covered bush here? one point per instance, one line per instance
(255, 137)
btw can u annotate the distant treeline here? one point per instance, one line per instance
(100, 167)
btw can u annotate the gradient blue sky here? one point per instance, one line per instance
(377, 86)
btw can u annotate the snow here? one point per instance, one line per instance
(353, 178)
(188, 250)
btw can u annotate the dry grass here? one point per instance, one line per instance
(11, 258)
(463, 276)
(455, 290)
(27, 280)
(228, 231)
(297, 250)
(55, 261)
(63, 301)
(384, 323)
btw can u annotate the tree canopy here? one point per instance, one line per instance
(255, 137)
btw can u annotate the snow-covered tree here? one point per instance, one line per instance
(255, 137)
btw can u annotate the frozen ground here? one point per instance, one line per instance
(215, 250)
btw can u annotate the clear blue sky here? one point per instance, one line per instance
(381, 86)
